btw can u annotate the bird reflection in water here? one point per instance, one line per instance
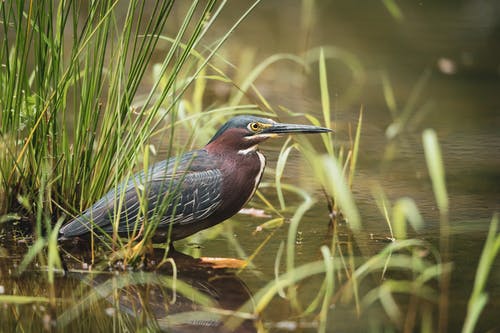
(200, 299)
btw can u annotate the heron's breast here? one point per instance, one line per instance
(242, 176)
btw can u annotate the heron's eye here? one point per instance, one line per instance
(255, 127)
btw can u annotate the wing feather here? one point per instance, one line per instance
(179, 191)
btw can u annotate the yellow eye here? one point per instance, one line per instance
(254, 127)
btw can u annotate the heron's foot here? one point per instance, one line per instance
(135, 255)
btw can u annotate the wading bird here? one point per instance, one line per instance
(192, 192)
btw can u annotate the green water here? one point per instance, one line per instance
(456, 44)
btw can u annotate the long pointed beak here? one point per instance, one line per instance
(279, 128)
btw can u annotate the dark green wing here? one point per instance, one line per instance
(179, 191)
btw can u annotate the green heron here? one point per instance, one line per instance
(192, 192)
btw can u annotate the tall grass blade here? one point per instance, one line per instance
(435, 166)
(18, 299)
(355, 149)
(323, 85)
(33, 251)
(325, 99)
(479, 297)
(347, 58)
(383, 203)
(336, 185)
(390, 100)
(280, 169)
(277, 262)
(402, 119)
(393, 9)
(330, 285)
(306, 204)
(404, 210)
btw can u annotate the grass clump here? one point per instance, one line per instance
(71, 127)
